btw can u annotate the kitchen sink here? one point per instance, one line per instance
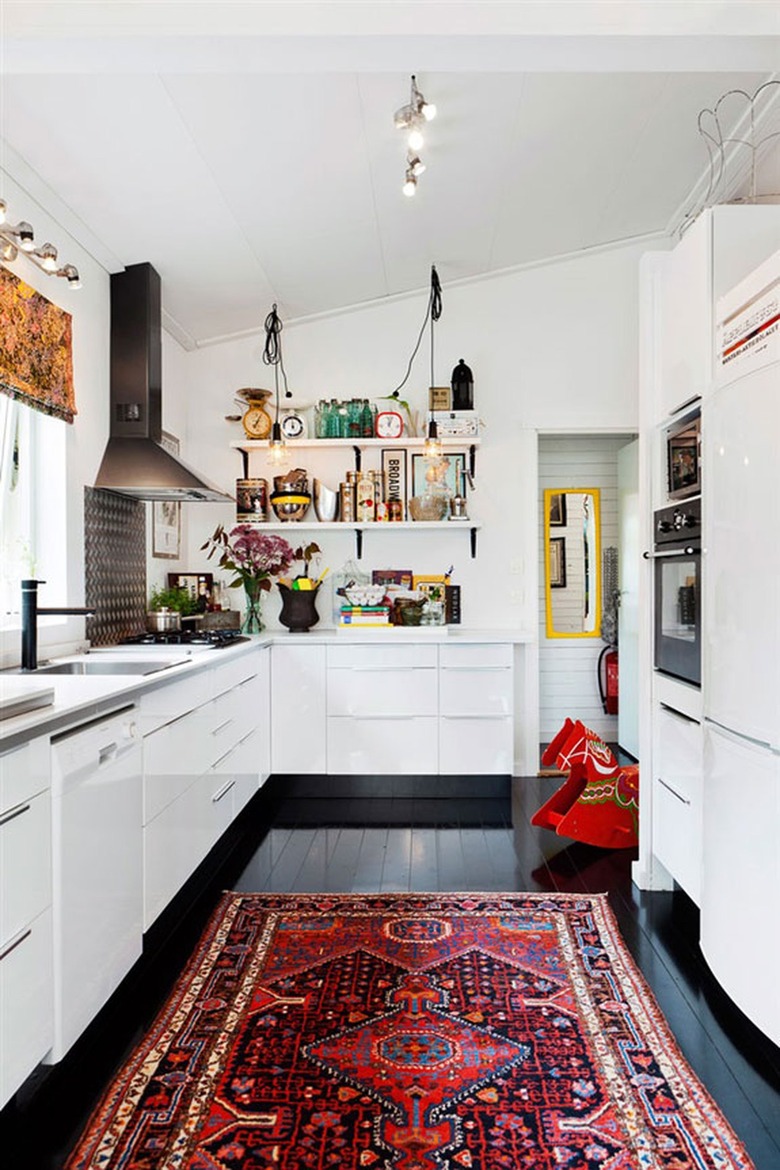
(102, 666)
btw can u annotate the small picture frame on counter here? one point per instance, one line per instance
(430, 476)
(439, 398)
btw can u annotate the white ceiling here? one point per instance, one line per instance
(265, 166)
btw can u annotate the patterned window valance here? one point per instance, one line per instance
(36, 351)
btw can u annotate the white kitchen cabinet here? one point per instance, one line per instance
(382, 709)
(476, 703)
(26, 995)
(201, 769)
(677, 798)
(685, 320)
(298, 708)
(740, 938)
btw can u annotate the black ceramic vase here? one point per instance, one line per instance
(299, 612)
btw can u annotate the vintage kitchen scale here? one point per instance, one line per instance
(256, 420)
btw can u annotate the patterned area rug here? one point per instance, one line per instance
(409, 1032)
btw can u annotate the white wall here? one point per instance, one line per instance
(551, 347)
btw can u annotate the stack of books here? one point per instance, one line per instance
(364, 615)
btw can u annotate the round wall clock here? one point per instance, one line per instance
(389, 424)
(293, 426)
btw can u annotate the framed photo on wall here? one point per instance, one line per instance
(427, 473)
(166, 529)
(558, 562)
(558, 510)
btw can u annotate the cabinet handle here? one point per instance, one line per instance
(221, 728)
(688, 402)
(486, 716)
(475, 668)
(680, 714)
(384, 718)
(663, 784)
(11, 816)
(17, 942)
(223, 791)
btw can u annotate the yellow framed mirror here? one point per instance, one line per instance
(572, 562)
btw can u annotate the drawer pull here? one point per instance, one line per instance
(11, 816)
(680, 715)
(224, 756)
(223, 791)
(221, 728)
(17, 942)
(494, 666)
(386, 718)
(383, 669)
(486, 716)
(681, 799)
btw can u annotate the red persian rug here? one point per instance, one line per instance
(409, 1032)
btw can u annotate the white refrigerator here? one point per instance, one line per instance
(740, 906)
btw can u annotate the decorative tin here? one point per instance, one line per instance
(251, 501)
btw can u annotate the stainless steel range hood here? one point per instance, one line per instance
(134, 463)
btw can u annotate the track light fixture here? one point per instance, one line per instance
(19, 237)
(412, 118)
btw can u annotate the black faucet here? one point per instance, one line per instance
(30, 611)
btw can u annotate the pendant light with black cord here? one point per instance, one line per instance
(433, 447)
(278, 452)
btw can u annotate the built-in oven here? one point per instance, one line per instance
(677, 620)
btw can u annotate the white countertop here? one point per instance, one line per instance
(88, 696)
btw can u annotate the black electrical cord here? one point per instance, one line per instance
(432, 313)
(272, 352)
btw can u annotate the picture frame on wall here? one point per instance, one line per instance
(166, 529)
(435, 473)
(558, 510)
(558, 562)
(439, 398)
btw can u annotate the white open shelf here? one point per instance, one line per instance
(450, 441)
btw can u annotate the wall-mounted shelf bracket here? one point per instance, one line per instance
(473, 541)
(358, 458)
(245, 461)
(472, 462)
(359, 543)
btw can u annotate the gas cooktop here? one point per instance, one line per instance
(209, 639)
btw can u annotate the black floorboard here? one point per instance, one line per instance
(388, 837)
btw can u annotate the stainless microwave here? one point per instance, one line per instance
(683, 457)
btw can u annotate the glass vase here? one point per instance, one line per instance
(253, 617)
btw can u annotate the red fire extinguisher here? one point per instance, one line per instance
(608, 679)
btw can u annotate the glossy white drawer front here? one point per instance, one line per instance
(170, 702)
(678, 754)
(375, 656)
(677, 837)
(26, 1003)
(298, 732)
(227, 675)
(173, 757)
(382, 746)
(476, 691)
(383, 690)
(25, 864)
(24, 771)
(476, 654)
(475, 745)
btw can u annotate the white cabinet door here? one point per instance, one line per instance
(25, 863)
(686, 319)
(677, 788)
(741, 565)
(383, 746)
(475, 745)
(26, 1003)
(740, 926)
(298, 719)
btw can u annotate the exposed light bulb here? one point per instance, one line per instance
(8, 252)
(71, 274)
(3, 209)
(48, 257)
(428, 111)
(432, 448)
(415, 141)
(410, 186)
(415, 165)
(25, 233)
(278, 453)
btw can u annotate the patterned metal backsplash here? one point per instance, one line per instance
(115, 565)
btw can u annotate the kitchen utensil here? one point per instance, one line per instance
(162, 620)
(326, 502)
(290, 505)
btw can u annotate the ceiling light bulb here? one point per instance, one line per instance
(403, 117)
(8, 252)
(278, 453)
(410, 186)
(71, 274)
(3, 209)
(415, 140)
(428, 110)
(432, 448)
(25, 233)
(415, 165)
(48, 257)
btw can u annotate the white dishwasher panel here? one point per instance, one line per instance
(96, 868)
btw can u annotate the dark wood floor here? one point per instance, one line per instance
(401, 841)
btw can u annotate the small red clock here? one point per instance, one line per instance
(389, 424)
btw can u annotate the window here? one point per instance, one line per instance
(32, 503)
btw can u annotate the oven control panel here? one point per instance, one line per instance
(679, 521)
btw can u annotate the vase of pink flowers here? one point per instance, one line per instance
(253, 557)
